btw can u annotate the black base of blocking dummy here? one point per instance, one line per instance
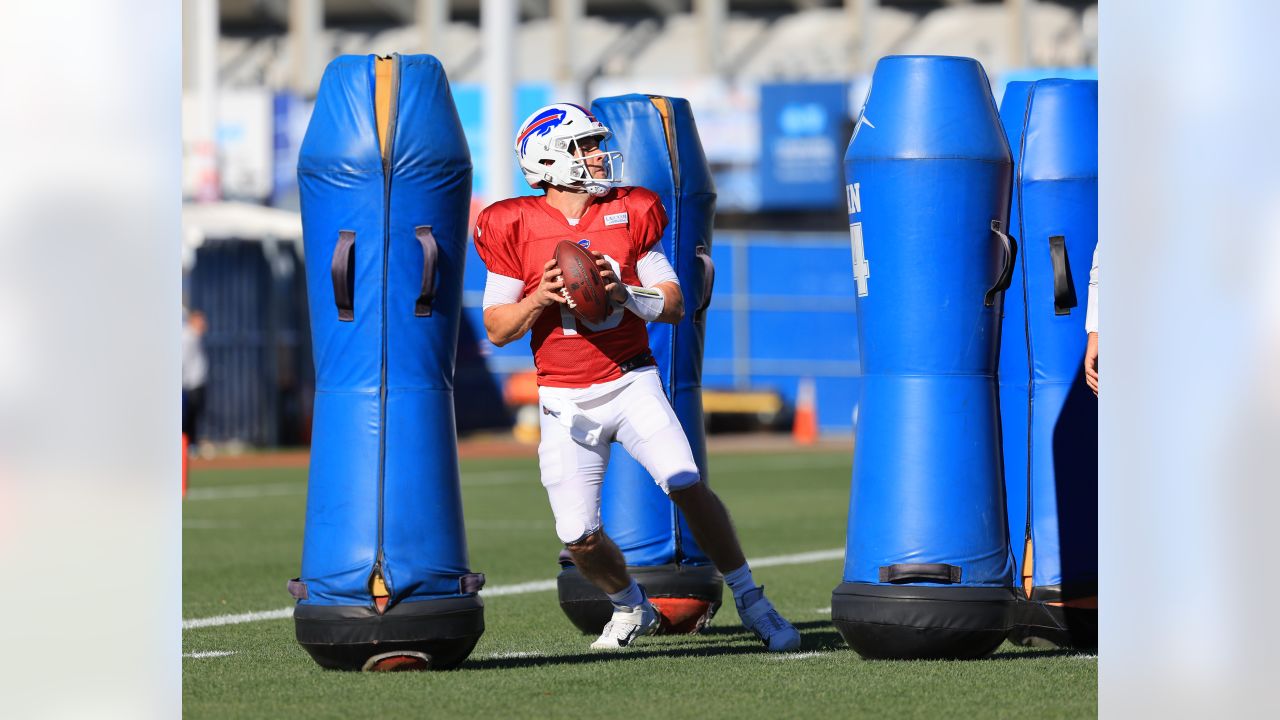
(688, 596)
(437, 634)
(916, 622)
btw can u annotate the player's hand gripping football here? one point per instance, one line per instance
(612, 285)
(549, 289)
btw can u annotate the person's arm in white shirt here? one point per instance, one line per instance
(1091, 327)
(508, 316)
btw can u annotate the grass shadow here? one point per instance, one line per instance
(607, 656)
(1035, 653)
(814, 635)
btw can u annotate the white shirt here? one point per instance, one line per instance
(1091, 314)
(195, 366)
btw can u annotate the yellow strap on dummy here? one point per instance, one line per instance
(382, 100)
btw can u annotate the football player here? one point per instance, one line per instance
(598, 382)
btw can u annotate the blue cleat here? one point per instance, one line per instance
(759, 616)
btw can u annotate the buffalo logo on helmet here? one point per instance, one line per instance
(541, 125)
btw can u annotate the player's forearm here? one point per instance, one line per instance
(508, 323)
(673, 303)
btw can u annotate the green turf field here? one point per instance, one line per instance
(242, 539)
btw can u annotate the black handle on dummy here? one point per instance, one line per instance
(920, 572)
(430, 253)
(1006, 273)
(1064, 289)
(342, 271)
(708, 281)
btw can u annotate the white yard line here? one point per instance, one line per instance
(509, 524)
(798, 558)
(519, 588)
(242, 492)
(795, 462)
(500, 590)
(486, 478)
(208, 654)
(197, 524)
(796, 656)
(219, 620)
(513, 654)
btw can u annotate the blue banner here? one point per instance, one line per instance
(469, 98)
(804, 128)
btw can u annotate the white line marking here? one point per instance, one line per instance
(519, 589)
(500, 590)
(208, 654)
(241, 492)
(219, 620)
(513, 654)
(798, 558)
(197, 524)
(244, 492)
(508, 525)
(823, 611)
(796, 656)
(797, 462)
(514, 477)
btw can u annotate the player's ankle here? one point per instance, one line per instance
(740, 582)
(629, 597)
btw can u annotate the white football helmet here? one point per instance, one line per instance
(545, 148)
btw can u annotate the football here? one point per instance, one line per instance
(583, 285)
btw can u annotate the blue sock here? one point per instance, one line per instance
(630, 596)
(740, 581)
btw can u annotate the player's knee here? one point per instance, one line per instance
(577, 536)
(681, 481)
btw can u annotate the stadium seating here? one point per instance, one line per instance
(761, 47)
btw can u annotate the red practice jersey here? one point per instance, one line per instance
(517, 237)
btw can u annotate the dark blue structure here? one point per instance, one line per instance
(662, 152)
(928, 571)
(1049, 416)
(384, 562)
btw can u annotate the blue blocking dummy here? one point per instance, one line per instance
(928, 573)
(1049, 416)
(385, 179)
(663, 153)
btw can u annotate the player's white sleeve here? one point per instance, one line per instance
(653, 268)
(1091, 311)
(502, 290)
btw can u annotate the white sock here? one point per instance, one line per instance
(740, 581)
(629, 596)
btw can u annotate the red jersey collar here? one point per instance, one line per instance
(587, 217)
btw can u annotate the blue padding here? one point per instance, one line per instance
(1048, 414)
(383, 485)
(1013, 351)
(636, 514)
(931, 170)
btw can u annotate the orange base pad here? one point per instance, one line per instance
(682, 616)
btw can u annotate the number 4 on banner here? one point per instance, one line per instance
(861, 268)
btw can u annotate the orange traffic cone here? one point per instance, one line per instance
(184, 464)
(804, 430)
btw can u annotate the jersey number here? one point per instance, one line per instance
(569, 322)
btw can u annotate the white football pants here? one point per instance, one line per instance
(578, 427)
